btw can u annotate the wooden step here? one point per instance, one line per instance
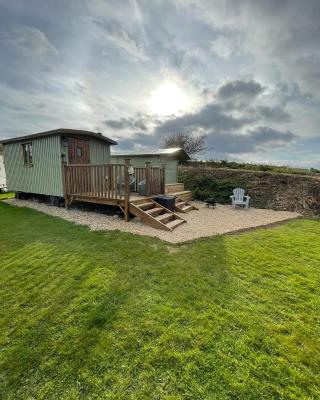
(154, 211)
(146, 206)
(164, 218)
(174, 187)
(184, 206)
(153, 214)
(187, 208)
(186, 195)
(175, 223)
(140, 201)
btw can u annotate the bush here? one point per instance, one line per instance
(205, 186)
(282, 169)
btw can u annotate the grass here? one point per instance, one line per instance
(8, 195)
(110, 315)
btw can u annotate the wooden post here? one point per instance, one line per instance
(64, 183)
(148, 178)
(126, 189)
(163, 179)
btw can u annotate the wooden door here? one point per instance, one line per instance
(78, 151)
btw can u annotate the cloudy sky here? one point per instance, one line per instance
(244, 72)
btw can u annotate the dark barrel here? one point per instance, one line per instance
(168, 202)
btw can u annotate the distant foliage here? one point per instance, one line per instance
(256, 167)
(192, 144)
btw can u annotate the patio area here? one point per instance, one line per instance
(202, 223)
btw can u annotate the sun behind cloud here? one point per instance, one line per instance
(169, 99)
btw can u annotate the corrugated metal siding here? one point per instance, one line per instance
(171, 169)
(45, 176)
(99, 152)
(137, 162)
(2, 172)
(156, 161)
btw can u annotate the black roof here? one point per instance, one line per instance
(60, 131)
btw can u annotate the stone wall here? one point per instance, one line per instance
(266, 189)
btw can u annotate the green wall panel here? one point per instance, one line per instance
(44, 176)
(156, 161)
(99, 152)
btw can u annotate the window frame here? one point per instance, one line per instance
(27, 154)
(81, 151)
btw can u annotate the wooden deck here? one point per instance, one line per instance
(111, 184)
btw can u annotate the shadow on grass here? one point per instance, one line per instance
(104, 314)
(74, 315)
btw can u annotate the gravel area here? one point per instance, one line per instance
(203, 223)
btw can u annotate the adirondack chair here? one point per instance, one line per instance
(239, 199)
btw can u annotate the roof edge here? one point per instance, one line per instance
(152, 152)
(60, 131)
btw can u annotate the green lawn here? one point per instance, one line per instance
(8, 195)
(103, 315)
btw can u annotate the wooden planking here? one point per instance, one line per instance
(183, 205)
(140, 175)
(174, 223)
(186, 195)
(174, 188)
(98, 181)
(82, 144)
(154, 177)
(147, 219)
(162, 218)
(109, 184)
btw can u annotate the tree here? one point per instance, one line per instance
(192, 144)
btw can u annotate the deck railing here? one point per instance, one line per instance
(111, 182)
(101, 181)
(153, 178)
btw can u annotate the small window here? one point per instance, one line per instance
(79, 151)
(27, 153)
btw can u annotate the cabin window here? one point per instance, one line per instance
(27, 153)
(79, 151)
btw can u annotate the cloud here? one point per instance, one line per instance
(31, 40)
(209, 117)
(140, 140)
(247, 89)
(114, 33)
(281, 36)
(258, 62)
(258, 139)
(126, 123)
(291, 92)
(229, 121)
(255, 139)
(276, 114)
(224, 46)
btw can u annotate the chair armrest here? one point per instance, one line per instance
(247, 197)
(232, 197)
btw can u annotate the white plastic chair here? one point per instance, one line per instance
(239, 199)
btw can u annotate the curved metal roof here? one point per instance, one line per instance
(60, 131)
(175, 151)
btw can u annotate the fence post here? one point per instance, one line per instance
(64, 182)
(126, 189)
(148, 178)
(163, 179)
